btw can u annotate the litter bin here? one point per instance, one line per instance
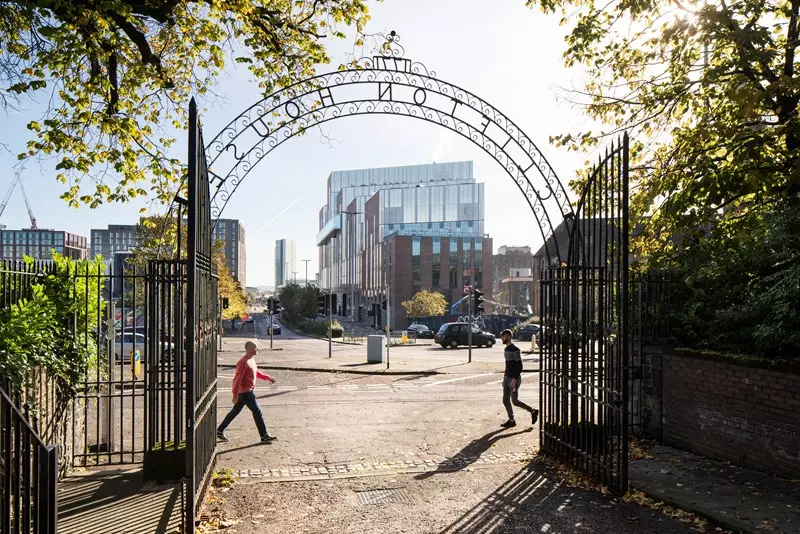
(375, 349)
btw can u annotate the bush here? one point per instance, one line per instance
(38, 331)
(739, 291)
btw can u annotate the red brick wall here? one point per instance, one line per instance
(743, 413)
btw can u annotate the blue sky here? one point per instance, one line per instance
(503, 52)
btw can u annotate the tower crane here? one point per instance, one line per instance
(18, 180)
(28, 205)
(4, 203)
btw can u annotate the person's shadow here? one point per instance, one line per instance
(469, 454)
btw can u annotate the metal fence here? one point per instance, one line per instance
(28, 473)
(585, 341)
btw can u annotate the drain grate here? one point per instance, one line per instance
(384, 496)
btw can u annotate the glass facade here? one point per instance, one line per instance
(40, 244)
(435, 206)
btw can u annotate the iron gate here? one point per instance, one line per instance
(586, 334)
(201, 328)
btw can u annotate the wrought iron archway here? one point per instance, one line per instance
(387, 84)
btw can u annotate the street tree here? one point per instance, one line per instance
(118, 75)
(425, 304)
(157, 238)
(299, 303)
(229, 287)
(709, 92)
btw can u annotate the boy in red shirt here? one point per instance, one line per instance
(244, 380)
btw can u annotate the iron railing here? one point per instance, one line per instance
(585, 339)
(28, 473)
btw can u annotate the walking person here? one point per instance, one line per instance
(512, 378)
(244, 380)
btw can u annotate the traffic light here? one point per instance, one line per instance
(477, 302)
(276, 306)
(269, 304)
(321, 304)
(225, 303)
(383, 305)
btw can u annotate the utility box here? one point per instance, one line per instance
(375, 349)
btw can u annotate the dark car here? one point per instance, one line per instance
(527, 331)
(421, 331)
(454, 334)
(275, 326)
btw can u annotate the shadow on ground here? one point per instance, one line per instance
(112, 502)
(534, 500)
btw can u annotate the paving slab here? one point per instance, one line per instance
(735, 498)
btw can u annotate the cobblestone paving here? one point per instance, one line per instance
(351, 470)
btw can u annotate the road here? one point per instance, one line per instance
(365, 453)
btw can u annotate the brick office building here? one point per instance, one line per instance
(428, 219)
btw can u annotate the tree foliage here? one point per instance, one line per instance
(299, 303)
(38, 332)
(118, 75)
(157, 238)
(229, 287)
(709, 92)
(426, 304)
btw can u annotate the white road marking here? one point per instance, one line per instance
(319, 387)
(454, 380)
(495, 382)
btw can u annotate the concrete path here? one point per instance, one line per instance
(294, 352)
(735, 498)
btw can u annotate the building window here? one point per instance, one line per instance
(415, 263)
(437, 261)
(479, 262)
(467, 272)
(453, 263)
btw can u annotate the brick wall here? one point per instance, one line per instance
(744, 413)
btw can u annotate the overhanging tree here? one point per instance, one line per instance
(709, 91)
(117, 72)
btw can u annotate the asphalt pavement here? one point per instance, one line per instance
(398, 453)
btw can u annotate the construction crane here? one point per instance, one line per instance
(28, 205)
(17, 176)
(18, 180)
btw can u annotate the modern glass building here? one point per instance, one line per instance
(116, 238)
(39, 244)
(371, 214)
(285, 262)
(123, 238)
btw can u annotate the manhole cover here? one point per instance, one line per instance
(385, 496)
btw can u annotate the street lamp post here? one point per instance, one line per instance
(306, 262)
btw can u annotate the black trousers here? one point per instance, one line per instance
(510, 397)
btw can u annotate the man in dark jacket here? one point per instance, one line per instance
(512, 380)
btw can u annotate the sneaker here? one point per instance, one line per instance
(268, 439)
(221, 437)
(534, 416)
(509, 424)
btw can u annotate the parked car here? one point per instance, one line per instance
(126, 343)
(527, 331)
(421, 331)
(454, 334)
(276, 327)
